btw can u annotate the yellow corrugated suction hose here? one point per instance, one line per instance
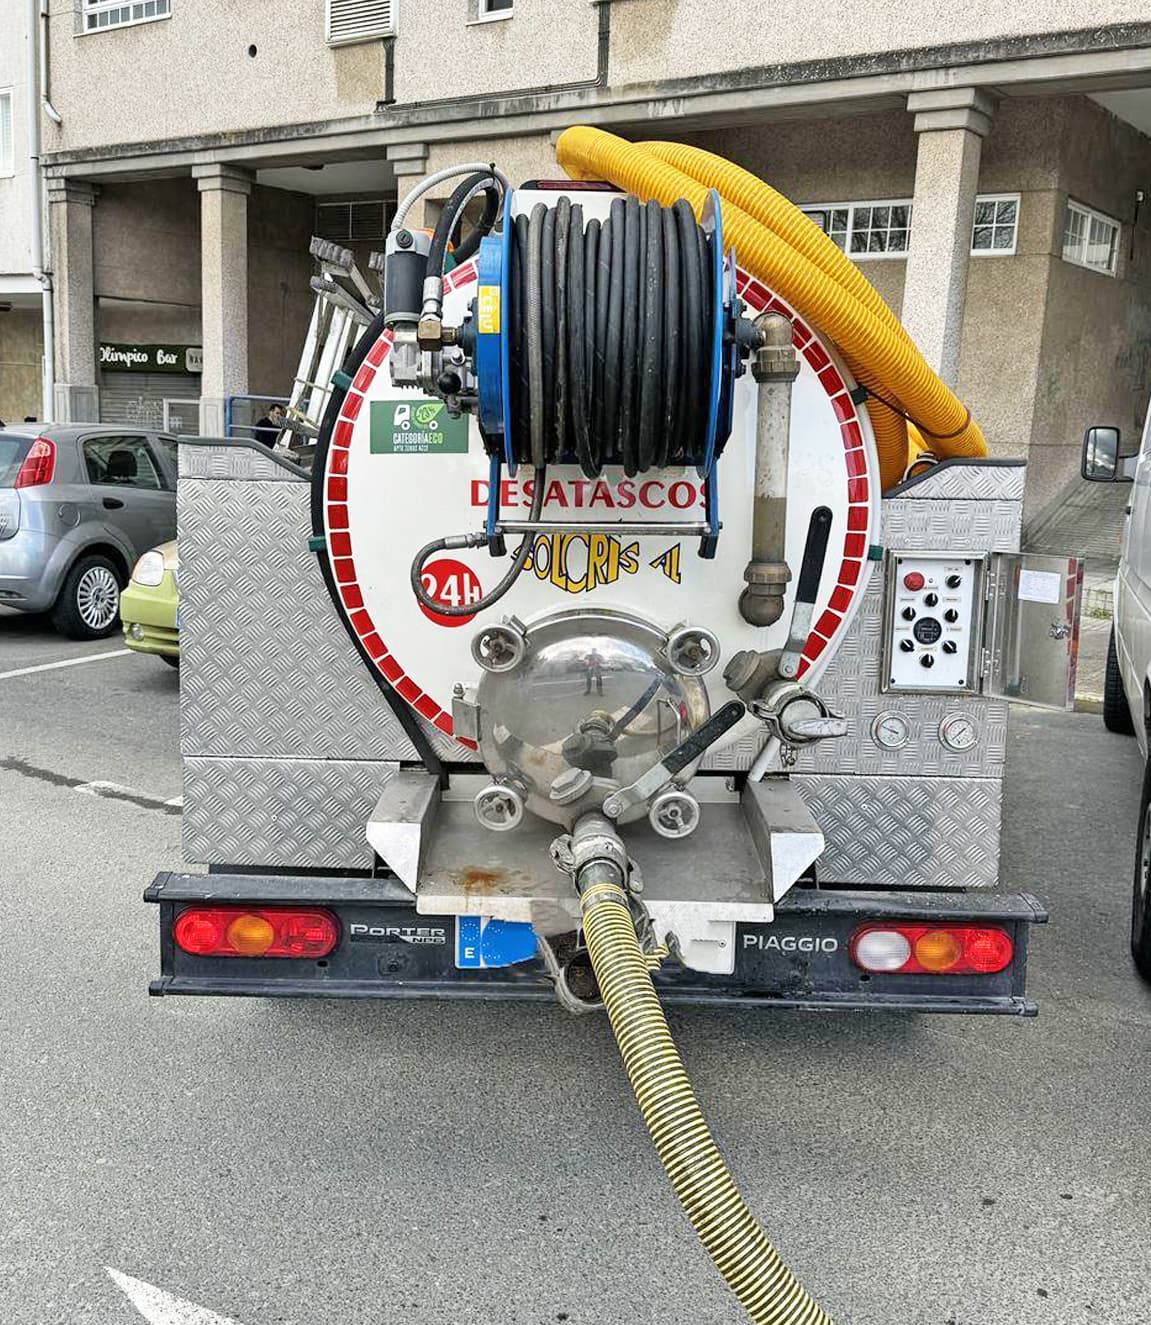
(775, 242)
(765, 1287)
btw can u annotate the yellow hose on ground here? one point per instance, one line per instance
(775, 242)
(765, 1287)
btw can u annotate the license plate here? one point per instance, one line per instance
(177, 616)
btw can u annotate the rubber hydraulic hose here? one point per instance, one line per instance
(765, 1287)
(450, 218)
(885, 360)
(519, 561)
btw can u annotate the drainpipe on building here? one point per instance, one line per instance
(37, 65)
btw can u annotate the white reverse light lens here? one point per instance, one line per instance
(136, 630)
(882, 950)
(149, 569)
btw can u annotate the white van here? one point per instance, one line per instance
(1127, 679)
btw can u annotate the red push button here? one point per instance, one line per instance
(913, 581)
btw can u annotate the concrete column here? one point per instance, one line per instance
(409, 163)
(223, 289)
(951, 124)
(76, 398)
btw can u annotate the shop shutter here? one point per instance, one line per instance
(138, 398)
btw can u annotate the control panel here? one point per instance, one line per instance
(934, 621)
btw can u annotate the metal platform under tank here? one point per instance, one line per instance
(749, 848)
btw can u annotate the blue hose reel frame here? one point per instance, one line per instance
(493, 367)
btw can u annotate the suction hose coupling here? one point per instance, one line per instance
(765, 1287)
(775, 366)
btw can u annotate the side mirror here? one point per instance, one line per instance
(1100, 462)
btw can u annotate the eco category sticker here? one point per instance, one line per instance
(416, 427)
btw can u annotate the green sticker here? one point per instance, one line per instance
(416, 427)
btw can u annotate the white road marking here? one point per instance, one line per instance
(67, 662)
(95, 788)
(118, 789)
(160, 1308)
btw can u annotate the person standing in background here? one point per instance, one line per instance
(268, 429)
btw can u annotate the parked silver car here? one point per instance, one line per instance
(78, 504)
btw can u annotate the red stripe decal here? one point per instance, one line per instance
(817, 357)
(427, 707)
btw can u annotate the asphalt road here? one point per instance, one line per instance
(312, 1164)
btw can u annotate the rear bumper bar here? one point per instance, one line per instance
(388, 950)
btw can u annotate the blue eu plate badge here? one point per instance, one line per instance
(482, 942)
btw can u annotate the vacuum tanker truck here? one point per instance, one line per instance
(644, 633)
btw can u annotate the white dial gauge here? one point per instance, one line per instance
(891, 731)
(958, 732)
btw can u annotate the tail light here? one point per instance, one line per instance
(39, 465)
(240, 931)
(918, 949)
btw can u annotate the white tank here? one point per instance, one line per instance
(401, 473)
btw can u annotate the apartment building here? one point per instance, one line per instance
(986, 165)
(25, 381)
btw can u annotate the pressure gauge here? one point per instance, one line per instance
(891, 731)
(958, 732)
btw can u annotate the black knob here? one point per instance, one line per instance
(908, 614)
(954, 581)
(951, 615)
(927, 661)
(949, 646)
(404, 239)
(931, 599)
(907, 645)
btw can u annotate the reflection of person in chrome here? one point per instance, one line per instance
(593, 671)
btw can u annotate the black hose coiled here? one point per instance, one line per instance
(609, 336)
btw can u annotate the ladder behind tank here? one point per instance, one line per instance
(345, 305)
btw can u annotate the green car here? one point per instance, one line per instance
(150, 605)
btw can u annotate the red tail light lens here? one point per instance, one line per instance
(39, 464)
(241, 931)
(918, 949)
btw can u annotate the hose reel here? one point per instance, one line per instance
(613, 343)
(590, 343)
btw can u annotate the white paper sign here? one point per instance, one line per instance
(1040, 586)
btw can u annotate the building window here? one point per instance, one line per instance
(484, 11)
(7, 157)
(996, 225)
(364, 222)
(359, 20)
(101, 14)
(1090, 239)
(865, 229)
(883, 229)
